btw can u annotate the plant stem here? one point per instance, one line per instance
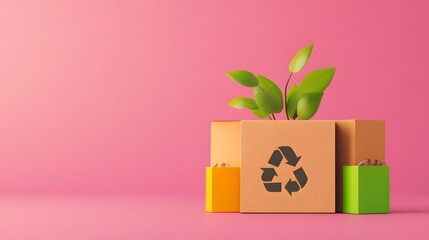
(270, 117)
(274, 117)
(287, 83)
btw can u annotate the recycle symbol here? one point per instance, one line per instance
(292, 160)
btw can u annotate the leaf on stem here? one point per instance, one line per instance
(264, 102)
(243, 103)
(317, 81)
(259, 113)
(269, 87)
(300, 59)
(244, 78)
(308, 105)
(292, 101)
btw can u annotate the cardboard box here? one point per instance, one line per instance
(287, 166)
(222, 189)
(225, 143)
(356, 140)
(366, 189)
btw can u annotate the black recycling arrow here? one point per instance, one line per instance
(301, 176)
(292, 186)
(268, 174)
(276, 158)
(290, 155)
(273, 187)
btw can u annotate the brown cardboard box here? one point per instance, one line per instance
(225, 143)
(356, 140)
(287, 166)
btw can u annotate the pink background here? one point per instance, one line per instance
(116, 97)
(105, 110)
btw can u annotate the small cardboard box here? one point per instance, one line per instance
(225, 143)
(287, 166)
(366, 189)
(356, 140)
(223, 189)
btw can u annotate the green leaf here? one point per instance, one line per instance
(308, 105)
(244, 78)
(264, 102)
(317, 81)
(291, 91)
(271, 89)
(259, 113)
(295, 116)
(247, 103)
(292, 96)
(243, 103)
(300, 59)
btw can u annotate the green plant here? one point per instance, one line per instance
(300, 102)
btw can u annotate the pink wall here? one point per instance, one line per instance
(117, 96)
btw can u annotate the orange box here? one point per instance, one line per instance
(356, 140)
(223, 189)
(287, 166)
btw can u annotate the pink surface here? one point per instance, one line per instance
(50, 217)
(117, 96)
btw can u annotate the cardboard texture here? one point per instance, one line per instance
(225, 143)
(287, 166)
(356, 140)
(223, 189)
(366, 189)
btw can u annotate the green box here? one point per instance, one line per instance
(366, 189)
